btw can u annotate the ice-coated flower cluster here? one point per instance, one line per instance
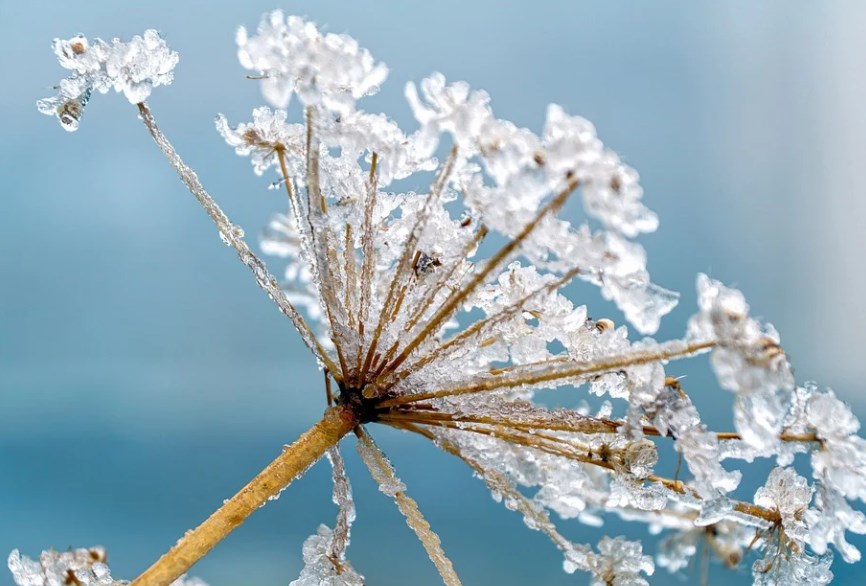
(426, 271)
(293, 57)
(133, 67)
(789, 494)
(748, 360)
(320, 568)
(76, 567)
(620, 562)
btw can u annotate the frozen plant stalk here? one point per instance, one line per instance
(384, 286)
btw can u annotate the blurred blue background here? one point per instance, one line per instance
(144, 377)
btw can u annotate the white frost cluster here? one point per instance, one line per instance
(84, 567)
(789, 493)
(841, 461)
(292, 56)
(133, 67)
(320, 569)
(788, 563)
(748, 360)
(60, 567)
(620, 562)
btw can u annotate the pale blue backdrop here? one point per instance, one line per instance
(144, 377)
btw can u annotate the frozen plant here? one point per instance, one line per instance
(414, 327)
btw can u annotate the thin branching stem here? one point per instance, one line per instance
(572, 451)
(350, 272)
(399, 282)
(368, 262)
(322, 239)
(548, 421)
(536, 517)
(447, 272)
(233, 236)
(546, 374)
(452, 303)
(588, 425)
(476, 329)
(382, 471)
(345, 509)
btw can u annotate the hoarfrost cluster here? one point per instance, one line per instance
(77, 567)
(442, 312)
(133, 67)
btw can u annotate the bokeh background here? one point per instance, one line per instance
(144, 377)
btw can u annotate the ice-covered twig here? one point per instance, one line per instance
(234, 237)
(382, 471)
(342, 497)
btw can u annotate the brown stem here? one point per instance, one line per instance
(548, 444)
(233, 236)
(292, 463)
(446, 310)
(541, 374)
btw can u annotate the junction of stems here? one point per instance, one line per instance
(289, 465)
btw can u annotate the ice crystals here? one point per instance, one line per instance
(77, 567)
(292, 56)
(133, 67)
(840, 460)
(319, 567)
(620, 562)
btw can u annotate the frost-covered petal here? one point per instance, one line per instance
(85, 567)
(800, 569)
(260, 139)
(747, 359)
(611, 192)
(840, 459)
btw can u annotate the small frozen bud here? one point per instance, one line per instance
(134, 68)
(640, 457)
(604, 325)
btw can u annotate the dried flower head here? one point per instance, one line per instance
(441, 312)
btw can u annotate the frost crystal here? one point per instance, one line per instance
(319, 567)
(830, 519)
(789, 493)
(55, 568)
(77, 567)
(134, 68)
(841, 459)
(726, 539)
(748, 360)
(294, 57)
(792, 570)
(620, 562)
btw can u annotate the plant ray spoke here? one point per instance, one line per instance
(543, 373)
(233, 236)
(452, 303)
(383, 472)
(403, 265)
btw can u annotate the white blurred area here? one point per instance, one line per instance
(789, 89)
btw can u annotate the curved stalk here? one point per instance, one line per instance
(291, 464)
